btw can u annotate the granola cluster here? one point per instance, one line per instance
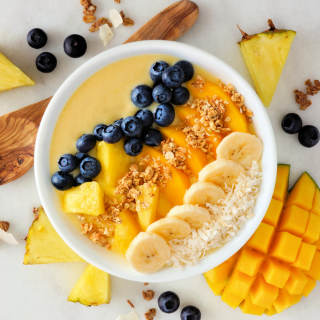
(198, 83)
(302, 98)
(148, 295)
(126, 21)
(175, 155)
(150, 314)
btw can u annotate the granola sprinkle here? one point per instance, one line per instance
(130, 303)
(126, 21)
(198, 83)
(150, 314)
(148, 295)
(302, 99)
(117, 1)
(4, 225)
(312, 90)
(94, 27)
(103, 21)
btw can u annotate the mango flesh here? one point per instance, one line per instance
(281, 261)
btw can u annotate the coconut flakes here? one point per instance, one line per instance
(227, 217)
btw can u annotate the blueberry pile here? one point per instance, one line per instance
(169, 302)
(75, 46)
(308, 136)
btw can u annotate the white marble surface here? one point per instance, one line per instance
(40, 291)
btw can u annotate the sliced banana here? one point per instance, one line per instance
(170, 228)
(202, 193)
(148, 252)
(195, 216)
(240, 147)
(221, 172)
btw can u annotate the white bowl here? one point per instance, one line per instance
(106, 260)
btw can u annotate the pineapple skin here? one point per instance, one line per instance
(44, 245)
(93, 288)
(11, 76)
(265, 55)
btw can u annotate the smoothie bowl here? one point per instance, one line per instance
(155, 161)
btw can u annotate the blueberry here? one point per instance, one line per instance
(151, 137)
(62, 180)
(187, 68)
(164, 115)
(173, 77)
(90, 167)
(190, 313)
(80, 156)
(118, 122)
(97, 132)
(141, 96)
(68, 163)
(146, 117)
(86, 142)
(168, 302)
(133, 146)
(80, 179)
(75, 46)
(157, 69)
(309, 136)
(37, 38)
(132, 126)
(180, 96)
(161, 94)
(112, 134)
(291, 123)
(46, 62)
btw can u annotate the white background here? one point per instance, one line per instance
(41, 291)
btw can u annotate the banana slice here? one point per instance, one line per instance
(170, 228)
(202, 193)
(221, 172)
(240, 147)
(195, 216)
(148, 252)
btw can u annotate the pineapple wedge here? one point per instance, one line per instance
(93, 288)
(11, 76)
(265, 55)
(44, 245)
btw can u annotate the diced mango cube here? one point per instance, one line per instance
(285, 247)
(239, 284)
(275, 273)
(317, 243)
(285, 300)
(316, 202)
(87, 198)
(262, 238)
(249, 308)
(249, 261)
(270, 312)
(231, 299)
(305, 256)
(263, 294)
(273, 213)
(148, 205)
(296, 281)
(281, 186)
(314, 271)
(294, 220)
(312, 230)
(311, 284)
(215, 288)
(302, 193)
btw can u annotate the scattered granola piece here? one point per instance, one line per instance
(95, 27)
(4, 225)
(146, 283)
(148, 295)
(89, 18)
(126, 21)
(90, 10)
(312, 90)
(150, 314)
(198, 83)
(130, 303)
(122, 14)
(117, 1)
(302, 99)
(104, 21)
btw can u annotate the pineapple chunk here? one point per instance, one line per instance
(11, 76)
(87, 198)
(265, 55)
(44, 245)
(93, 288)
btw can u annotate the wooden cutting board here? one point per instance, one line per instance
(18, 129)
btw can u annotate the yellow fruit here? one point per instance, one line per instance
(125, 232)
(93, 288)
(11, 76)
(164, 206)
(265, 55)
(44, 245)
(148, 216)
(114, 164)
(281, 261)
(87, 198)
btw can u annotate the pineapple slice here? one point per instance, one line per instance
(265, 55)
(87, 198)
(44, 245)
(93, 288)
(11, 76)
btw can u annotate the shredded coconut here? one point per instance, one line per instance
(227, 217)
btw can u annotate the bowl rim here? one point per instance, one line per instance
(202, 59)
